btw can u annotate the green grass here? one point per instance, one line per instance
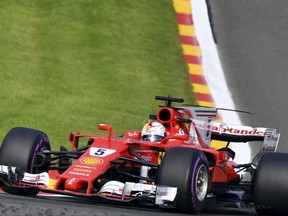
(69, 65)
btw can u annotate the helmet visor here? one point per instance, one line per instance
(152, 138)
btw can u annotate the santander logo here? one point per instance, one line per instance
(239, 130)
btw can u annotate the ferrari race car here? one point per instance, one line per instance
(174, 168)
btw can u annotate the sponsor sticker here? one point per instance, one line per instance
(85, 167)
(78, 173)
(82, 170)
(92, 161)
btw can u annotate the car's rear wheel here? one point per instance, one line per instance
(186, 169)
(22, 147)
(270, 185)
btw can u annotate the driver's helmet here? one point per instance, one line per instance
(153, 131)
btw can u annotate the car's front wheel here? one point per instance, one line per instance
(22, 147)
(186, 169)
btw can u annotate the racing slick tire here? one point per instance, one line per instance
(20, 148)
(187, 169)
(270, 185)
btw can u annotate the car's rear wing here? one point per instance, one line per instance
(239, 133)
(236, 133)
(208, 129)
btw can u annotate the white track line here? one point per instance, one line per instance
(214, 74)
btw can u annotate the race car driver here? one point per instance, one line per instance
(153, 131)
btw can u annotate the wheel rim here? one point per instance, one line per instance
(201, 183)
(38, 159)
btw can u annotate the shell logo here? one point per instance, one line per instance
(91, 161)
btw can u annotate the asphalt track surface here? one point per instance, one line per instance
(251, 37)
(252, 44)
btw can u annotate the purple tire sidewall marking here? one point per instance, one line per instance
(193, 175)
(38, 146)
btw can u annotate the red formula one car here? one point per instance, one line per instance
(169, 164)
